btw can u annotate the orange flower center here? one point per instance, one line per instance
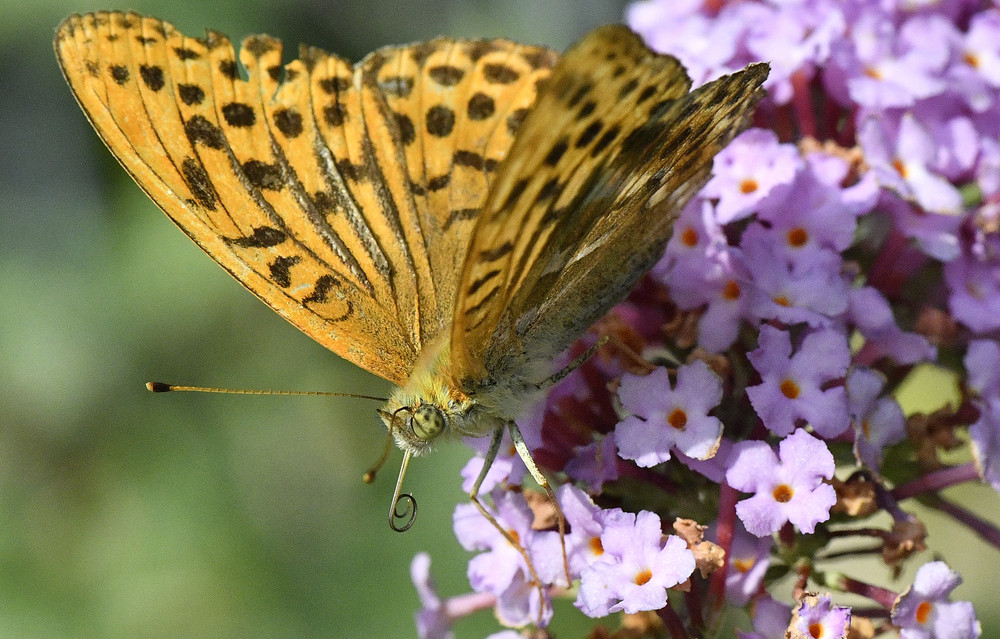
(797, 237)
(516, 537)
(689, 237)
(816, 630)
(596, 546)
(924, 612)
(677, 418)
(783, 494)
(731, 291)
(749, 185)
(872, 72)
(744, 565)
(790, 389)
(971, 59)
(781, 300)
(899, 166)
(643, 577)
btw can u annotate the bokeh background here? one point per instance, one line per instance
(127, 514)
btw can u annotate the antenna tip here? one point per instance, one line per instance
(158, 387)
(368, 477)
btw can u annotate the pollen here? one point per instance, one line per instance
(816, 630)
(748, 186)
(900, 167)
(783, 493)
(596, 547)
(731, 291)
(923, 613)
(689, 237)
(790, 389)
(677, 418)
(643, 577)
(971, 59)
(744, 565)
(873, 73)
(797, 237)
(781, 300)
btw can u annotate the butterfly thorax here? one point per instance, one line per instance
(433, 407)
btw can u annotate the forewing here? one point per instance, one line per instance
(294, 180)
(441, 116)
(586, 200)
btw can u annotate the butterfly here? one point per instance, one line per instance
(450, 215)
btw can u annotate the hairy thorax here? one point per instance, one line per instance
(432, 407)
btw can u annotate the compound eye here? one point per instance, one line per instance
(427, 422)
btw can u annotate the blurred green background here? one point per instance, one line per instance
(124, 514)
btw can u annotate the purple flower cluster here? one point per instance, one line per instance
(849, 238)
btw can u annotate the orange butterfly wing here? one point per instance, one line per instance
(317, 185)
(585, 204)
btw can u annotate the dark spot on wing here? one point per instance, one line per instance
(239, 114)
(289, 122)
(118, 73)
(440, 121)
(264, 175)
(556, 152)
(262, 237)
(480, 107)
(198, 129)
(407, 133)
(200, 184)
(191, 94)
(499, 74)
(280, 270)
(446, 75)
(152, 76)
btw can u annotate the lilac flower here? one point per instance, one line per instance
(974, 283)
(985, 436)
(749, 558)
(708, 43)
(975, 73)
(877, 68)
(871, 314)
(924, 612)
(982, 364)
(818, 617)
(500, 470)
(936, 234)
(901, 154)
(583, 541)
(787, 487)
(796, 38)
(594, 464)
(701, 269)
(747, 170)
(495, 571)
(639, 568)
(815, 211)
(663, 417)
(809, 289)
(770, 620)
(878, 421)
(792, 386)
(432, 620)
(435, 619)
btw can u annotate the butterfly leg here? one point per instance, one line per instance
(491, 455)
(569, 368)
(522, 450)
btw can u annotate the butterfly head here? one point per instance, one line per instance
(416, 427)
